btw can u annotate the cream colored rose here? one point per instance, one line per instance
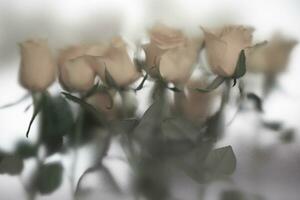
(162, 39)
(71, 53)
(38, 68)
(77, 75)
(102, 102)
(176, 65)
(117, 62)
(171, 54)
(195, 106)
(271, 58)
(75, 66)
(223, 49)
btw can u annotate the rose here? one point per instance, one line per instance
(116, 61)
(162, 39)
(102, 101)
(195, 106)
(75, 66)
(176, 65)
(271, 58)
(77, 74)
(37, 68)
(223, 49)
(171, 54)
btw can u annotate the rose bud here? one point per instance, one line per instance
(176, 65)
(117, 62)
(77, 75)
(71, 53)
(271, 58)
(162, 39)
(76, 72)
(102, 101)
(195, 106)
(223, 49)
(38, 68)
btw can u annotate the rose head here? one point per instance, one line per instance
(223, 49)
(273, 57)
(38, 68)
(171, 54)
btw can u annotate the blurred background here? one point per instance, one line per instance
(265, 164)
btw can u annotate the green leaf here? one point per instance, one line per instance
(149, 122)
(141, 85)
(11, 164)
(58, 116)
(288, 135)
(110, 80)
(215, 126)
(257, 101)
(179, 129)
(110, 187)
(49, 177)
(123, 126)
(232, 195)
(38, 102)
(214, 85)
(275, 126)
(26, 150)
(56, 122)
(89, 108)
(240, 68)
(221, 162)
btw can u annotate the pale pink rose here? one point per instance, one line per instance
(193, 105)
(77, 75)
(116, 61)
(223, 49)
(171, 54)
(271, 58)
(38, 69)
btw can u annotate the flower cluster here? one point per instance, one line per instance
(170, 54)
(180, 131)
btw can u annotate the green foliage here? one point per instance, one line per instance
(125, 126)
(179, 129)
(49, 177)
(38, 103)
(10, 164)
(212, 86)
(240, 69)
(26, 150)
(288, 135)
(89, 108)
(56, 122)
(257, 101)
(232, 195)
(220, 162)
(110, 80)
(141, 85)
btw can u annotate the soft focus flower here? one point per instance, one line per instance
(77, 74)
(38, 68)
(271, 58)
(75, 66)
(71, 53)
(195, 106)
(171, 54)
(223, 49)
(102, 101)
(176, 65)
(116, 61)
